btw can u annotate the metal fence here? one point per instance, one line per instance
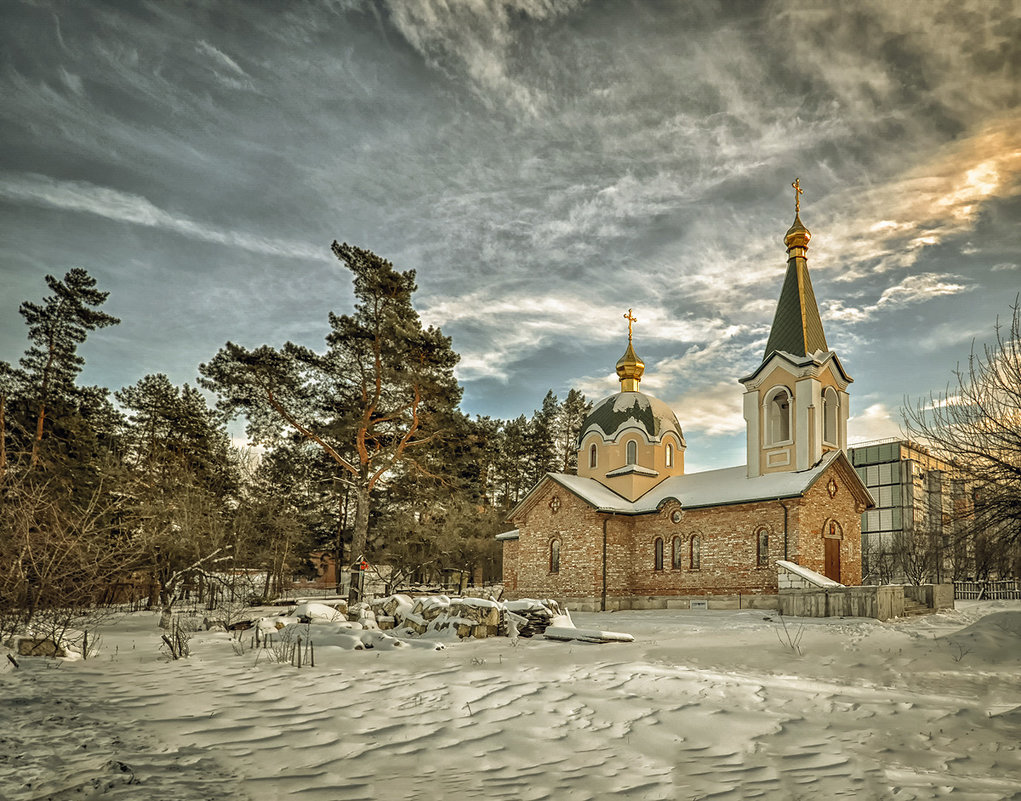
(1009, 590)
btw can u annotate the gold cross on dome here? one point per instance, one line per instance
(631, 319)
(798, 191)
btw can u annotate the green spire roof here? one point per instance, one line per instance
(797, 327)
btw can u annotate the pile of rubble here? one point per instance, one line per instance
(466, 617)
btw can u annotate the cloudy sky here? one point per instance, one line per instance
(542, 165)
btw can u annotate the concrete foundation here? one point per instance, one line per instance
(756, 601)
(879, 602)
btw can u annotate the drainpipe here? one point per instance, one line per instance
(602, 603)
(784, 528)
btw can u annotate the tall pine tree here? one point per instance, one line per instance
(378, 393)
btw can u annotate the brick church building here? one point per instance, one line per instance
(633, 525)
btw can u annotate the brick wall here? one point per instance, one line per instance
(817, 510)
(729, 559)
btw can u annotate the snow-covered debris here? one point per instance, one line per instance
(441, 615)
(313, 613)
(585, 635)
(362, 613)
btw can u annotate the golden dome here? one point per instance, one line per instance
(629, 370)
(629, 366)
(797, 235)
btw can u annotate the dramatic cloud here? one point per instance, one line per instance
(911, 290)
(542, 165)
(122, 207)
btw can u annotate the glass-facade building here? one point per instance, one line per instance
(909, 533)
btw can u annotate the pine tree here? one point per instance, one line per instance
(376, 396)
(570, 416)
(542, 457)
(182, 481)
(56, 328)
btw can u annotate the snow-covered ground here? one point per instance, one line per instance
(701, 705)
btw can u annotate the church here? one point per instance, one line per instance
(632, 529)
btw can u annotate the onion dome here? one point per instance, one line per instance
(629, 366)
(629, 370)
(797, 235)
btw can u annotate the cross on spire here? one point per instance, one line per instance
(631, 319)
(798, 191)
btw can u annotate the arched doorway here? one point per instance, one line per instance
(832, 535)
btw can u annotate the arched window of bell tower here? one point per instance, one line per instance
(593, 457)
(632, 452)
(669, 452)
(830, 405)
(778, 416)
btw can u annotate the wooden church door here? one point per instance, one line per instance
(832, 558)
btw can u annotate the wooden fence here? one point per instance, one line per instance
(987, 590)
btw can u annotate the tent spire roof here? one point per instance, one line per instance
(797, 326)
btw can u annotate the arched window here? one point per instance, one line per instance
(669, 455)
(778, 411)
(592, 459)
(658, 546)
(762, 547)
(554, 556)
(632, 452)
(830, 405)
(677, 554)
(696, 552)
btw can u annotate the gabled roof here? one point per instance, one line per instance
(797, 326)
(710, 488)
(817, 359)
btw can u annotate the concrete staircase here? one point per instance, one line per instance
(915, 609)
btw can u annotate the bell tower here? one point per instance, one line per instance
(796, 403)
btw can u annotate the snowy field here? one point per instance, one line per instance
(701, 705)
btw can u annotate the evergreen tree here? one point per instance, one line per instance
(542, 457)
(56, 328)
(378, 393)
(570, 415)
(182, 482)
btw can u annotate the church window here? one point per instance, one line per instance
(696, 553)
(658, 547)
(779, 417)
(592, 458)
(669, 455)
(830, 404)
(677, 554)
(554, 556)
(632, 452)
(762, 547)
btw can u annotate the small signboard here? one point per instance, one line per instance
(700, 605)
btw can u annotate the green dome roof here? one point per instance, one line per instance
(629, 410)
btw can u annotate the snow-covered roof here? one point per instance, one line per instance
(731, 485)
(624, 410)
(817, 359)
(508, 535)
(693, 490)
